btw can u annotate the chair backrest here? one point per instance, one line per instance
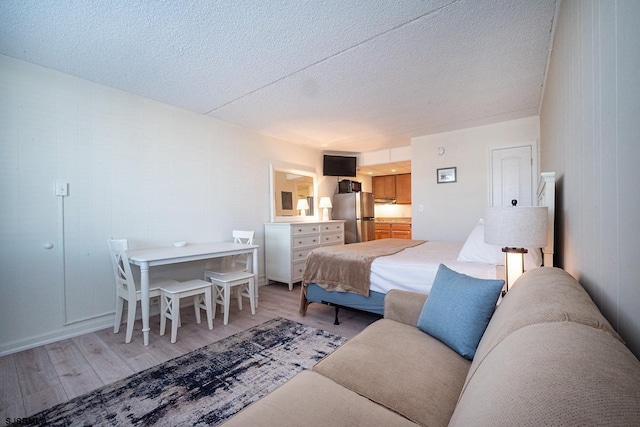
(245, 237)
(124, 280)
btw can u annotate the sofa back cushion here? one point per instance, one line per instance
(403, 306)
(543, 295)
(558, 373)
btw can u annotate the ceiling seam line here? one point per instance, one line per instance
(306, 67)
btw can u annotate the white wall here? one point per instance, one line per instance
(450, 211)
(136, 169)
(590, 135)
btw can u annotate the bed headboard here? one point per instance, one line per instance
(547, 197)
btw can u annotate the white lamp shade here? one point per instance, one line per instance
(518, 227)
(325, 202)
(302, 204)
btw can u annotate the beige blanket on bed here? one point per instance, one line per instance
(347, 268)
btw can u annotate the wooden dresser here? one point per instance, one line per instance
(287, 244)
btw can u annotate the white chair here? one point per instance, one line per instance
(235, 263)
(222, 285)
(170, 295)
(126, 288)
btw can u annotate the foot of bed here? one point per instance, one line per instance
(336, 321)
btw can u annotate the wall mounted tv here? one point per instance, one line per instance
(338, 165)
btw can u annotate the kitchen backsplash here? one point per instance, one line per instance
(392, 211)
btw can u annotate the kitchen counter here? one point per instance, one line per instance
(393, 220)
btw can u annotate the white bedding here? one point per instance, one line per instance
(414, 269)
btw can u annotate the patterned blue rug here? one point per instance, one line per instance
(204, 387)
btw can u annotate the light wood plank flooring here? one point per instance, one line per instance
(36, 379)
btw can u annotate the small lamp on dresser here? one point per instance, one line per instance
(325, 204)
(515, 229)
(302, 206)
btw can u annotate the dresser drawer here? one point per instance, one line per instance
(301, 254)
(304, 241)
(332, 239)
(297, 269)
(305, 229)
(328, 228)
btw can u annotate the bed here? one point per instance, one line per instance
(408, 265)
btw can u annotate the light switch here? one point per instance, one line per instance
(62, 189)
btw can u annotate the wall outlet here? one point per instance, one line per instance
(62, 189)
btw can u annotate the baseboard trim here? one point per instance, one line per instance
(75, 329)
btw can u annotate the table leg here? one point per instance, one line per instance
(255, 272)
(144, 300)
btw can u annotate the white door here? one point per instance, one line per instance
(511, 176)
(31, 254)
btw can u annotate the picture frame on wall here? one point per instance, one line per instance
(446, 175)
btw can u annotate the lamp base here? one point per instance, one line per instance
(514, 265)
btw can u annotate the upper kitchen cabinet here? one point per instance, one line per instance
(384, 187)
(403, 189)
(393, 187)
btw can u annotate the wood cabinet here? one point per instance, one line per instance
(383, 231)
(403, 189)
(386, 230)
(287, 245)
(396, 187)
(384, 187)
(401, 231)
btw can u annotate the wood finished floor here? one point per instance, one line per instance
(36, 379)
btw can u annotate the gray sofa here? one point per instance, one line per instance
(547, 357)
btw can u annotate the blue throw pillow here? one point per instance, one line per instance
(458, 309)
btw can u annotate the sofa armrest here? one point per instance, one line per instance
(403, 306)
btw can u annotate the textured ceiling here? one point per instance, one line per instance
(356, 75)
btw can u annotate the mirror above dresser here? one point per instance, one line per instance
(289, 184)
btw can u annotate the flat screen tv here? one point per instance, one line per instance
(338, 165)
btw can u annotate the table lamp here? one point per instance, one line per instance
(515, 229)
(302, 206)
(325, 204)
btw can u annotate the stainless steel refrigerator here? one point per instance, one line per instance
(357, 209)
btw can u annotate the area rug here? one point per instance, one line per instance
(204, 387)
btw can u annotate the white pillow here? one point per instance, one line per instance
(476, 250)
(532, 259)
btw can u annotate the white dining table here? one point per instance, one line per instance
(151, 257)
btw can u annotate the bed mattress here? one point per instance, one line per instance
(414, 269)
